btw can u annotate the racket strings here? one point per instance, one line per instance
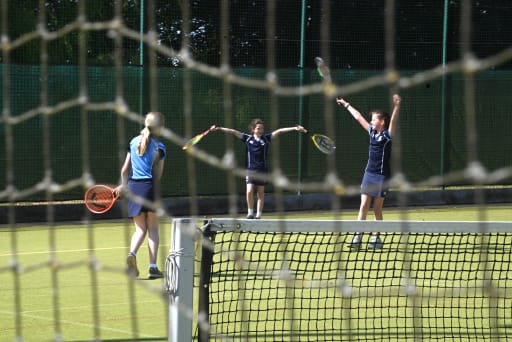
(100, 199)
(325, 144)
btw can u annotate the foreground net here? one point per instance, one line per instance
(289, 280)
(77, 77)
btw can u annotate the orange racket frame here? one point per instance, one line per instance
(100, 198)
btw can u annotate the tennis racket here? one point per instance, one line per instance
(196, 139)
(322, 69)
(100, 198)
(322, 142)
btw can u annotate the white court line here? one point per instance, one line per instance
(69, 251)
(29, 314)
(63, 251)
(81, 307)
(101, 327)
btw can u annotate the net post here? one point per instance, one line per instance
(182, 242)
(204, 283)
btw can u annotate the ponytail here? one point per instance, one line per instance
(153, 126)
(144, 141)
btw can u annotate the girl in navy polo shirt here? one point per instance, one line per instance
(374, 186)
(256, 161)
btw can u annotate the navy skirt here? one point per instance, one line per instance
(374, 185)
(251, 180)
(142, 188)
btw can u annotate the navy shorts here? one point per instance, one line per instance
(374, 185)
(255, 181)
(142, 188)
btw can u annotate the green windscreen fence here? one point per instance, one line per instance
(433, 139)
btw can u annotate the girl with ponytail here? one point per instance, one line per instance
(140, 177)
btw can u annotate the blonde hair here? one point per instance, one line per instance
(153, 123)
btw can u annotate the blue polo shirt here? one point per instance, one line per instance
(142, 166)
(257, 151)
(379, 153)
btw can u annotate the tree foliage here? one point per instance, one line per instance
(356, 31)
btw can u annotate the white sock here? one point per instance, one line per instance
(152, 265)
(258, 214)
(250, 211)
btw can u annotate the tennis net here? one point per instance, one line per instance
(291, 280)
